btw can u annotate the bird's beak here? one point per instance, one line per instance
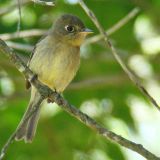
(87, 31)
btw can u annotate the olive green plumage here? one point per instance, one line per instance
(55, 61)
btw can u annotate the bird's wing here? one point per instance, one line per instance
(28, 84)
(32, 53)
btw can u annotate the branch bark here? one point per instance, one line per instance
(40, 32)
(108, 43)
(85, 119)
(23, 34)
(20, 46)
(115, 27)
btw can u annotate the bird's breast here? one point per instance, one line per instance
(55, 67)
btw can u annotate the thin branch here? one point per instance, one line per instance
(23, 34)
(85, 119)
(115, 27)
(40, 32)
(20, 46)
(7, 9)
(100, 81)
(20, 16)
(108, 43)
(45, 2)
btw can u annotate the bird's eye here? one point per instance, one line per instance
(69, 28)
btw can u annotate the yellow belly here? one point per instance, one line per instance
(55, 67)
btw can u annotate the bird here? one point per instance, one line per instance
(55, 61)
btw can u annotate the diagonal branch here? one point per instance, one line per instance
(115, 27)
(85, 119)
(108, 43)
(40, 32)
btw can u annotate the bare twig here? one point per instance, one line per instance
(20, 46)
(23, 34)
(45, 2)
(108, 43)
(45, 92)
(115, 27)
(40, 32)
(100, 81)
(19, 18)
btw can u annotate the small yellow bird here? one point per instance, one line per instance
(55, 60)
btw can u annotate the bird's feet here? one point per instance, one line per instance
(28, 83)
(35, 76)
(50, 100)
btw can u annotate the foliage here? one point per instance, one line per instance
(111, 101)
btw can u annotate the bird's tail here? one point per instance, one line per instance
(27, 128)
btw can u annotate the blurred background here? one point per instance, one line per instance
(101, 88)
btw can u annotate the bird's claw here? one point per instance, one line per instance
(35, 76)
(49, 100)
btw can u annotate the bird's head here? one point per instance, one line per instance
(70, 29)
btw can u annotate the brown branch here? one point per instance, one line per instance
(108, 43)
(85, 119)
